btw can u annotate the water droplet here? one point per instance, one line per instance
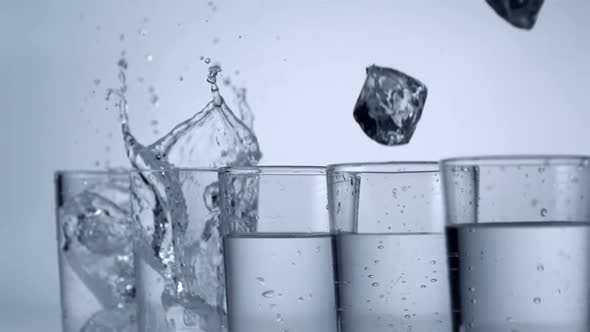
(541, 169)
(142, 32)
(509, 319)
(366, 268)
(408, 316)
(376, 261)
(474, 301)
(149, 57)
(96, 81)
(207, 60)
(472, 289)
(375, 284)
(540, 267)
(422, 286)
(433, 280)
(543, 212)
(279, 318)
(201, 57)
(537, 300)
(432, 262)
(371, 276)
(181, 78)
(380, 247)
(300, 299)
(260, 280)
(268, 294)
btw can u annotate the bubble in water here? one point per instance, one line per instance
(268, 294)
(543, 212)
(537, 300)
(540, 267)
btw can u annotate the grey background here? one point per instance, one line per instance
(492, 89)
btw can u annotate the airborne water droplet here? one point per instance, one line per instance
(543, 212)
(260, 280)
(207, 60)
(540, 267)
(537, 300)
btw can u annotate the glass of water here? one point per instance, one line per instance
(179, 263)
(95, 237)
(388, 223)
(518, 232)
(278, 249)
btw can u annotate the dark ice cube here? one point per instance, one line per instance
(390, 105)
(520, 13)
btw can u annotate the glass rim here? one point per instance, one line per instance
(397, 167)
(125, 171)
(285, 170)
(515, 160)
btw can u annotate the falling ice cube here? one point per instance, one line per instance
(520, 13)
(390, 105)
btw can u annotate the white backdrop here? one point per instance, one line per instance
(492, 89)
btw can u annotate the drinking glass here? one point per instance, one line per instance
(388, 223)
(94, 235)
(278, 250)
(179, 266)
(518, 237)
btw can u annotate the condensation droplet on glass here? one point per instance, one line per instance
(268, 294)
(260, 280)
(371, 276)
(207, 60)
(422, 286)
(375, 284)
(543, 212)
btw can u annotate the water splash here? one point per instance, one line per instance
(188, 144)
